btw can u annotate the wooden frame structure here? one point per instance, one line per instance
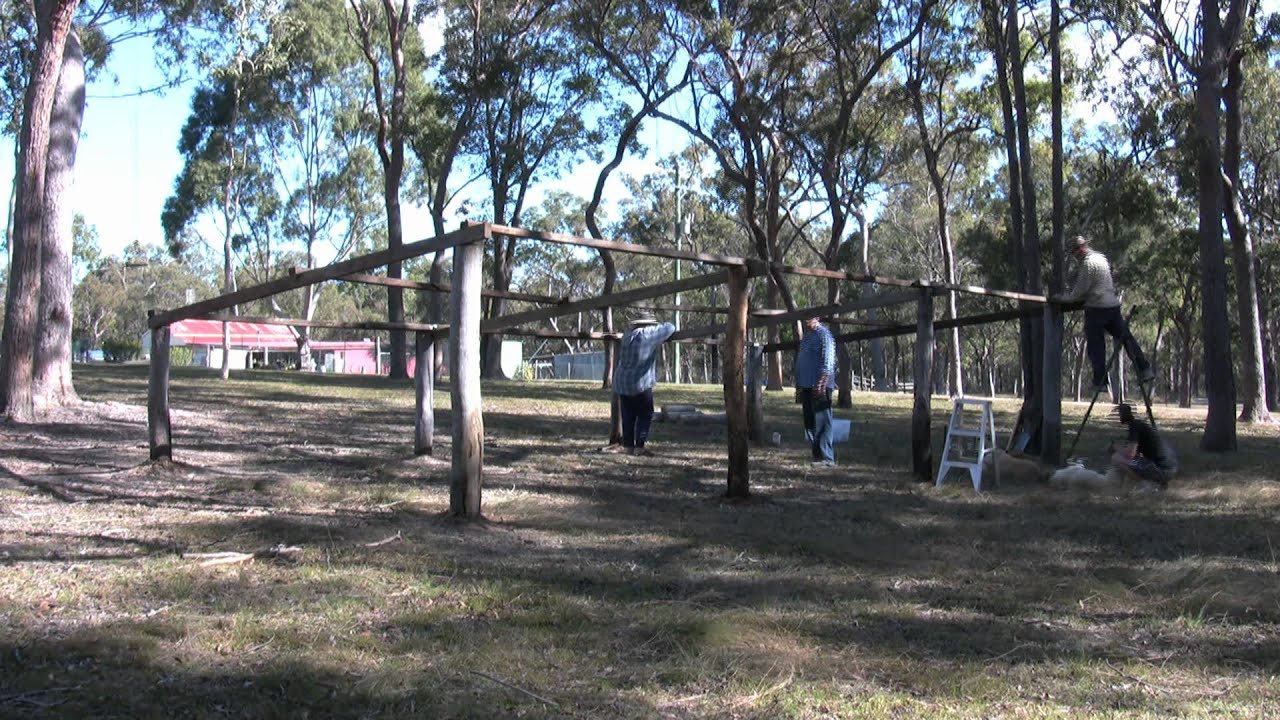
(742, 373)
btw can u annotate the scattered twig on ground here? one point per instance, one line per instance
(384, 541)
(1007, 653)
(278, 552)
(1138, 680)
(500, 681)
(25, 696)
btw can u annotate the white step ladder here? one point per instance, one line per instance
(968, 443)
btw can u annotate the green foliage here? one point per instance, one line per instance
(181, 355)
(120, 349)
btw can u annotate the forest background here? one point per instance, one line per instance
(925, 139)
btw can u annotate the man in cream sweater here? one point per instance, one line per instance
(1097, 290)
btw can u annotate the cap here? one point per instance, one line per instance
(1077, 242)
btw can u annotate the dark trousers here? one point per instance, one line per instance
(637, 416)
(1098, 323)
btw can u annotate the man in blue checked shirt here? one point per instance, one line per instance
(634, 378)
(815, 379)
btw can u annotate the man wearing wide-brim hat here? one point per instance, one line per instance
(1102, 316)
(634, 378)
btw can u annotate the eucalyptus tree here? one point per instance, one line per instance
(220, 167)
(1002, 34)
(305, 116)
(749, 67)
(535, 88)
(846, 126)
(18, 400)
(946, 120)
(636, 41)
(1259, 188)
(38, 56)
(392, 53)
(1194, 49)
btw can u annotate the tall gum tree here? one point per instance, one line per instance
(22, 301)
(381, 27)
(52, 371)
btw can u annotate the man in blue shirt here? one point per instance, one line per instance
(634, 378)
(815, 379)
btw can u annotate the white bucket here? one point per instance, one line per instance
(840, 430)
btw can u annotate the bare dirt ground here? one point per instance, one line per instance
(295, 561)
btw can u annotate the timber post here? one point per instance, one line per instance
(735, 404)
(755, 396)
(921, 432)
(464, 364)
(159, 429)
(1051, 431)
(424, 426)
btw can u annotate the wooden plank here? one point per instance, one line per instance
(159, 429)
(921, 432)
(357, 325)
(522, 296)
(690, 283)
(296, 280)
(735, 401)
(801, 314)
(902, 329)
(633, 248)
(899, 282)
(444, 288)
(424, 377)
(755, 394)
(464, 363)
(1051, 437)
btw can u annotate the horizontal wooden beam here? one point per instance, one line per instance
(771, 317)
(351, 325)
(293, 281)
(860, 335)
(692, 282)
(899, 282)
(632, 248)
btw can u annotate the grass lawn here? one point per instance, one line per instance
(606, 586)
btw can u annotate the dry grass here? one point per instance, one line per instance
(606, 586)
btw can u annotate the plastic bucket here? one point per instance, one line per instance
(840, 430)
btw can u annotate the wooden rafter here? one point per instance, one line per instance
(295, 280)
(690, 283)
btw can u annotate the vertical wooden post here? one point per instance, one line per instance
(158, 426)
(1051, 431)
(755, 396)
(464, 364)
(921, 433)
(735, 402)
(424, 375)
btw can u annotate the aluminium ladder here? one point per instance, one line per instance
(963, 436)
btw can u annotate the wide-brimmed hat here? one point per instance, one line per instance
(643, 318)
(1077, 242)
(1124, 411)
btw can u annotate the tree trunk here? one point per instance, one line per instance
(53, 386)
(1220, 391)
(1252, 373)
(22, 306)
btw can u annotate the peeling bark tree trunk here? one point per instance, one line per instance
(17, 344)
(1253, 389)
(53, 386)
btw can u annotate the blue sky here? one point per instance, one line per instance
(128, 157)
